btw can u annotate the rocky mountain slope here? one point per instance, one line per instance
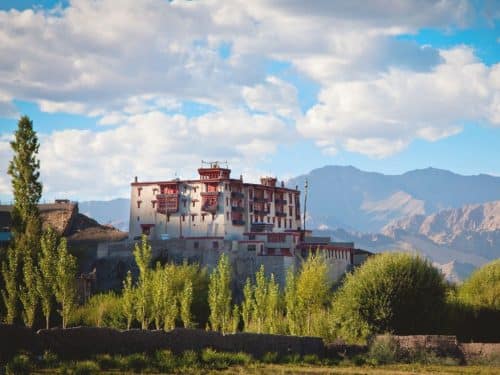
(471, 229)
(346, 197)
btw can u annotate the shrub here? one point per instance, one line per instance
(270, 357)
(482, 289)
(165, 361)
(311, 359)
(49, 359)
(189, 359)
(19, 365)
(136, 362)
(291, 358)
(391, 292)
(86, 368)
(384, 350)
(107, 362)
(222, 360)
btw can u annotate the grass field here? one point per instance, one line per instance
(209, 361)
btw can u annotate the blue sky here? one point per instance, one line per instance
(151, 88)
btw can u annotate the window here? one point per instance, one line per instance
(225, 187)
(290, 223)
(194, 202)
(203, 217)
(194, 189)
(192, 217)
(138, 218)
(227, 202)
(213, 217)
(251, 218)
(183, 218)
(279, 223)
(227, 215)
(139, 204)
(290, 210)
(251, 248)
(290, 198)
(139, 189)
(251, 207)
(215, 244)
(251, 236)
(168, 218)
(196, 244)
(268, 219)
(184, 202)
(153, 203)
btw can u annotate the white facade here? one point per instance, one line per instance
(213, 206)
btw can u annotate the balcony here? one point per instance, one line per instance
(238, 222)
(260, 200)
(261, 212)
(237, 209)
(281, 214)
(237, 195)
(280, 201)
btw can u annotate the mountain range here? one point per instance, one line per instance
(452, 219)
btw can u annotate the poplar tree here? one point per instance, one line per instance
(219, 295)
(312, 289)
(260, 295)
(293, 314)
(142, 255)
(171, 309)
(46, 275)
(273, 313)
(27, 190)
(185, 304)
(65, 285)
(10, 294)
(128, 299)
(158, 299)
(247, 306)
(28, 293)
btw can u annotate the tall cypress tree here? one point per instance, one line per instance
(27, 190)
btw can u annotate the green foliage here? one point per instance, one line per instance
(49, 359)
(28, 293)
(165, 361)
(311, 359)
(384, 350)
(142, 255)
(222, 360)
(24, 171)
(482, 289)
(128, 300)
(391, 292)
(270, 357)
(293, 317)
(189, 359)
(107, 362)
(261, 307)
(104, 310)
(10, 293)
(186, 300)
(19, 365)
(136, 362)
(219, 295)
(46, 275)
(86, 368)
(65, 287)
(312, 289)
(18, 270)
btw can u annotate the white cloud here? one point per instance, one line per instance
(275, 96)
(381, 116)
(87, 164)
(127, 65)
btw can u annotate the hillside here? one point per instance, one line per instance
(346, 197)
(469, 229)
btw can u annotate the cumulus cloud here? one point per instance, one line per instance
(133, 66)
(150, 145)
(381, 116)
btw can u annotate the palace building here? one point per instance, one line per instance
(254, 223)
